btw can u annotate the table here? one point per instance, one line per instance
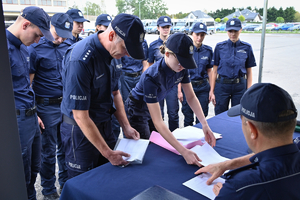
(160, 167)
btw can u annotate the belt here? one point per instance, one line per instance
(41, 100)
(198, 82)
(69, 120)
(134, 74)
(28, 112)
(230, 81)
(133, 99)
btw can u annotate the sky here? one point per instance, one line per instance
(186, 6)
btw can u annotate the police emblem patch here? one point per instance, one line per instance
(201, 26)
(232, 23)
(191, 49)
(166, 19)
(142, 37)
(67, 25)
(108, 18)
(80, 14)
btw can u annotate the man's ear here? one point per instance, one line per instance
(111, 36)
(25, 24)
(253, 130)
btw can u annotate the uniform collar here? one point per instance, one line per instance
(160, 40)
(274, 152)
(200, 48)
(50, 43)
(167, 70)
(13, 39)
(231, 44)
(99, 47)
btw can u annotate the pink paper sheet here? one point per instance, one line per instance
(156, 138)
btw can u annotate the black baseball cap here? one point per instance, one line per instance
(103, 19)
(131, 30)
(40, 18)
(233, 24)
(164, 21)
(199, 28)
(264, 102)
(182, 46)
(77, 15)
(63, 24)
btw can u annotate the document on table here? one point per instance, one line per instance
(191, 133)
(136, 149)
(198, 184)
(207, 154)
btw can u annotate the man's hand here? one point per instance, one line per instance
(209, 136)
(131, 133)
(191, 158)
(115, 158)
(212, 98)
(217, 188)
(216, 170)
(41, 124)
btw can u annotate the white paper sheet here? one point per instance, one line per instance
(136, 149)
(198, 184)
(191, 133)
(207, 154)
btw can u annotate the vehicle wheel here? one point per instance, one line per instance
(156, 32)
(218, 29)
(90, 33)
(280, 29)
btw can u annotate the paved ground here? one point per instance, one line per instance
(281, 66)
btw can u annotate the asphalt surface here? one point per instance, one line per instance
(281, 65)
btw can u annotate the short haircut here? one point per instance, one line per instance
(118, 39)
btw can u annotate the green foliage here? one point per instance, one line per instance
(93, 8)
(150, 9)
(179, 15)
(218, 20)
(279, 20)
(225, 19)
(241, 18)
(297, 17)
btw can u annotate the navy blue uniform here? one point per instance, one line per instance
(155, 83)
(26, 112)
(87, 86)
(232, 60)
(203, 58)
(73, 40)
(172, 97)
(273, 174)
(46, 63)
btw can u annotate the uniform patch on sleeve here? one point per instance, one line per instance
(86, 55)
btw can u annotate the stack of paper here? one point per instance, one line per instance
(207, 154)
(136, 149)
(198, 184)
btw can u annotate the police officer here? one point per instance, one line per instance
(102, 22)
(203, 57)
(87, 103)
(232, 73)
(268, 116)
(164, 26)
(156, 82)
(45, 74)
(29, 27)
(78, 20)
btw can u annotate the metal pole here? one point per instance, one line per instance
(139, 9)
(262, 45)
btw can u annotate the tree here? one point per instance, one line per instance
(272, 14)
(150, 9)
(241, 18)
(297, 17)
(179, 15)
(93, 8)
(225, 19)
(249, 8)
(217, 20)
(289, 14)
(279, 20)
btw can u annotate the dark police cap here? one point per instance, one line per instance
(164, 21)
(40, 18)
(103, 19)
(182, 46)
(199, 28)
(265, 102)
(233, 24)
(131, 30)
(76, 15)
(63, 24)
